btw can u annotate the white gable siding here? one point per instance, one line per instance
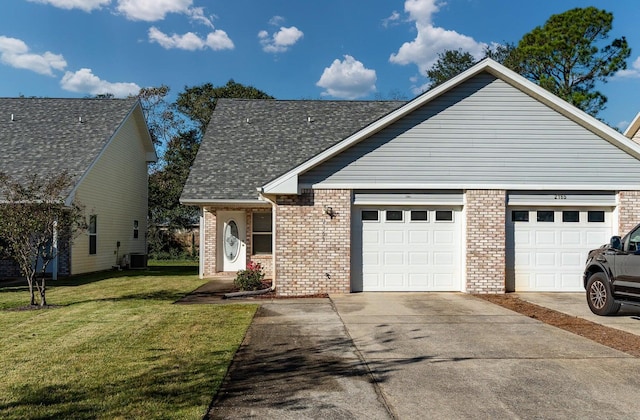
(483, 132)
(116, 191)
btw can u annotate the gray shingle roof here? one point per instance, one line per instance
(251, 142)
(47, 136)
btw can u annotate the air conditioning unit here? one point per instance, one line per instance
(137, 261)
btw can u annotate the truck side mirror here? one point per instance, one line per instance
(616, 243)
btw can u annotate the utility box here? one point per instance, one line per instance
(137, 261)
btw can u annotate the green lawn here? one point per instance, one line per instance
(117, 347)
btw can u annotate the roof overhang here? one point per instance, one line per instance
(288, 182)
(224, 203)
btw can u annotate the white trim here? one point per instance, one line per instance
(633, 127)
(477, 186)
(412, 199)
(224, 202)
(488, 65)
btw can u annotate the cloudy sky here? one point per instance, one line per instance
(291, 49)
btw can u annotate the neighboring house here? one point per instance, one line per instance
(485, 184)
(104, 144)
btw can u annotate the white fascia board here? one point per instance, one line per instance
(633, 127)
(202, 202)
(472, 186)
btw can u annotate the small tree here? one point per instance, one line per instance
(34, 218)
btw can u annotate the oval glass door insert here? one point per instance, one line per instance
(231, 241)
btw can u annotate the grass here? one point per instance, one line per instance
(116, 347)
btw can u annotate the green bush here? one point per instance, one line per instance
(251, 278)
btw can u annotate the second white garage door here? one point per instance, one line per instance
(410, 249)
(547, 247)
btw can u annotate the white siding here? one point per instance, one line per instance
(116, 190)
(482, 132)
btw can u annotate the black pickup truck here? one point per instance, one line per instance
(612, 274)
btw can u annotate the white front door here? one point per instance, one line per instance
(232, 249)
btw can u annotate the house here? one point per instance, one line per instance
(485, 184)
(105, 146)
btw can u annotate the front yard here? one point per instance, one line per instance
(116, 347)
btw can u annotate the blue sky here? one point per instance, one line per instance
(291, 49)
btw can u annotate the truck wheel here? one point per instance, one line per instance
(599, 296)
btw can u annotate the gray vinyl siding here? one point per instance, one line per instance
(483, 131)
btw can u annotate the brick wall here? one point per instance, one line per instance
(485, 241)
(314, 250)
(628, 211)
(209, 245)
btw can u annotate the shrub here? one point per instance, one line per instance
(251, 278)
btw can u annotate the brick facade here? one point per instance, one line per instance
(628, 211)
(314, 249)
(209, 243)
(485, 236)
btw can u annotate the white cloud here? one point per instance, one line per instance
(84, 81)
(153, 10)
(431, 40)
(86, 5)
(219, 40)
(276, 21)
(347, 79)
(281, 40)
(633, 72)
(391, 20)
(216, 40)
(15, 53)
(197, 15)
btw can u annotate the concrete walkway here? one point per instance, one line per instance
(429, 355)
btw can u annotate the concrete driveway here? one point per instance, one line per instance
(420, 355)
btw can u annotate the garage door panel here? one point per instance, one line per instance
(418, 237)
(394, 258)
(393, 237)
(410, 255)
(545, 259)
(545, 238)
(370, 237)
(571, 238)
(418, 258)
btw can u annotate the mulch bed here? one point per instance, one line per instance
(610, 337)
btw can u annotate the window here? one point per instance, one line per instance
(520, 216)
(570, 216)
(419, 215)
(93, 234)
(370, 215)
(394, 215)
(262, 234)
(595, 216)
(135, 229)
(444, 216)
(545, 216)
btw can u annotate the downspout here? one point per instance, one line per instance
(273, 241)
(201, 248)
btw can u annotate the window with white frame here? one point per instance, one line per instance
(262, 234)
(93, 234)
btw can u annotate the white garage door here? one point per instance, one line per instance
(547, 247)
(409, 249)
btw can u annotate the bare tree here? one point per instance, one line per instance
(34, 219)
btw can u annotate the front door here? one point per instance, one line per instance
(232, 249)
